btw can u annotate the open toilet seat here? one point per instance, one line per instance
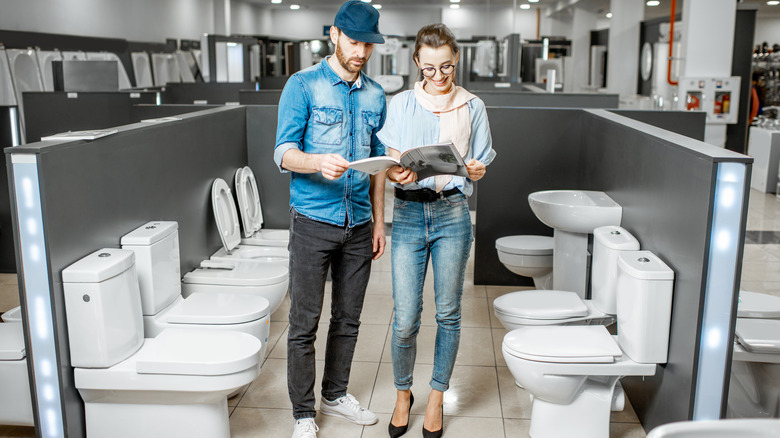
(758, 305)
(252, 213)
(526, 245)
(15, 401)
(13, 315)
(546, 307)
(226, 217)
(757, 333)
(573, 351)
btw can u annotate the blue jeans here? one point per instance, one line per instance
(441, 231)
(314, 246)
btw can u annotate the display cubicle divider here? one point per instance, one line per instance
(682, 199)
(526, 99)
(73, 198)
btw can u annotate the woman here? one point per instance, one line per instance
(431, 217)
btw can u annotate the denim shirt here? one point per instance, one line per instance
(320, 114)
(410, 125)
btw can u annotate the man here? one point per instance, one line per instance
(329, 115)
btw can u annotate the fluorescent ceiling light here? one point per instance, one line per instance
(454, 1)
(454, 6)
(294, 7)
(533, 1)
(377, 6)
(366, 1)
(653, 3)
(773, 2)
(276, 1)
(525, 6)
(609, 14)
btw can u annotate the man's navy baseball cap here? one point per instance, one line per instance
(359, 21)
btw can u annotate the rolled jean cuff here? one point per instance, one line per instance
(439, 386)
(303, 415)
(404, 387)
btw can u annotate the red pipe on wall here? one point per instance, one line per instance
(671, 41)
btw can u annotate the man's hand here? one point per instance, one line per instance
(378, 237)
(398, 174)
(332, 166)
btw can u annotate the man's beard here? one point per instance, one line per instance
(345, 62)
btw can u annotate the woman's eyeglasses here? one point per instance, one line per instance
(446, 69)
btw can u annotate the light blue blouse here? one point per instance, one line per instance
(409, 125)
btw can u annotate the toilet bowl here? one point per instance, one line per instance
(174, 385)
(572, 372)
(251, 210)
(553, 307)
(13, 315)
(156, 248)
(15, 401)
(226, 217)
(529, 256)
(754, 387)
(753, 428)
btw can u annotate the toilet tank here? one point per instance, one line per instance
(644, 306)
(103, 308)
(156, 248)
(608, 243)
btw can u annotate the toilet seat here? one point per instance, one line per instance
(11, 342)
(526, 245)
(758, 335)
(758, 305)
(176, 360)
(546, 304)
(217, 308)
(13, 315)
(252, 213)
(238, 273)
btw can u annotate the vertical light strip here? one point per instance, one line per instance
(35, 274)
(15, 140)
(718, 292)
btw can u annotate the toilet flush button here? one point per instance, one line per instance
(643, 260)
(104, 254)
(615, 233)
(85, 298)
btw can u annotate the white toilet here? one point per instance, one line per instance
(754, 388)
(156, 248)
(753, 428)
(553, 307)
(572, 371)
(15, 401)
(174, 385)
(252, 213)
(529, 256)
(226, 217)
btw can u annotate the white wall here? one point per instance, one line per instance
(134, 20)
(767, 29)
(496, 21)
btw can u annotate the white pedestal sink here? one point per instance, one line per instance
(573, 214)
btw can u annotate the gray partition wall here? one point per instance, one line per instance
(547, 100)
(684, 200)
(274, 186)
(74, 198)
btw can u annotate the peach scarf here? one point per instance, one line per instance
(454, 121)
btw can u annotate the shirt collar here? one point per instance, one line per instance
(335, 78)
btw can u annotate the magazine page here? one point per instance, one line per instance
(373, 165)
(436, 159)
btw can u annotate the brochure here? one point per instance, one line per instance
(80, 135)
(426, 161)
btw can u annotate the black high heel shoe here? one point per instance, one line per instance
(396, 431)
(436, 433)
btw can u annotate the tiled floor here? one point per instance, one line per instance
(483, 400)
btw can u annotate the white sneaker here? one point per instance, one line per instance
(305, 428)
(348, 408)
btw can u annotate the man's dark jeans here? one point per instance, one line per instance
(315, 246)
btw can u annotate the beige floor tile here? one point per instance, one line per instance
(627, 415)
(498, 339)
(9, 296)
(517, 428)
(767, 287)
(515, 401)
(380, 283)
(17, 432)
(9, 278)
(275, 336)
(626, 430)
(761, 271)
(255, 423)
(282, 313)
(233, 401)
(760, 253)
(475, 346)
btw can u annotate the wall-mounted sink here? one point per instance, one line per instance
(573, 214)
(575, 211)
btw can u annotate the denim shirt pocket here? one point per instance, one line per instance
(371, 122)
(326, 125)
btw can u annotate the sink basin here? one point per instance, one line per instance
(575, 211)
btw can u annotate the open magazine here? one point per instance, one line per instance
(426, 161)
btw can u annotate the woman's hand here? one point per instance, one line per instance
(476, 169)
(399, 175)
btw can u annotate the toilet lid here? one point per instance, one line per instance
(248, 201)
(198, 352)
(11, 341)
(225, 214)
(759, 335)
(541, 304)
(758, 305)
(218, 308)
(563, 344)
(240, 273)
(525, 245)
